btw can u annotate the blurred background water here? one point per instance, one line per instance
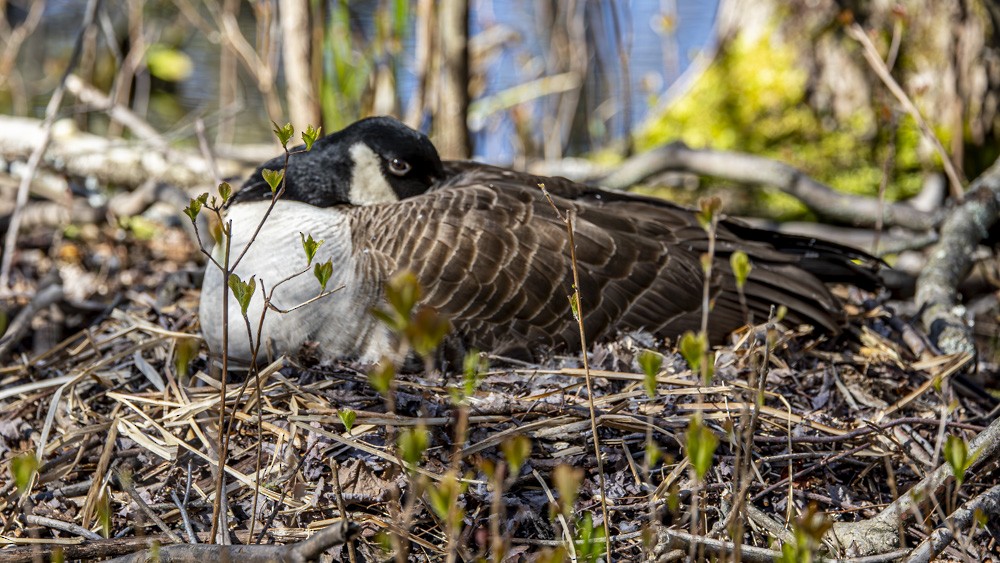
(660, 39)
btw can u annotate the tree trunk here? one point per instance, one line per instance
(943, 53)
(303, 105)
(450, 132)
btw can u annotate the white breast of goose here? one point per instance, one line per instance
(340, 324)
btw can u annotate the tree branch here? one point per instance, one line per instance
(109, 160)
(746, 168)
(950, 261)
(308, 549)
(988, 503)
(881, 533)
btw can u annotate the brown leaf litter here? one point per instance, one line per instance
(847, 425)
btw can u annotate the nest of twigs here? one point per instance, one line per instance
(121, 411)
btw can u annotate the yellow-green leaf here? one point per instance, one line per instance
(310, 135)
(347, 417)
(515, 450)
(701, 444)
(284, 133)
(956, 453)
(22, 469)
(273, 178)
(650, 362)
(412, 444)
(740, 263)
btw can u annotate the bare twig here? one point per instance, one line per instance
(955, 175)
(206, 150)
(50, 292)
(67, 527)
(578, 313)
(16, 37)
(182, 505)
(341, 506)
(129, 487)
(98, 478)
(123, 115)
(562, 518)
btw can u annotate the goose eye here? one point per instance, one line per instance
(399, 167)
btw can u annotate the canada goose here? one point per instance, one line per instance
(492, 255)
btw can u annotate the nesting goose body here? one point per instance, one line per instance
(492, 255)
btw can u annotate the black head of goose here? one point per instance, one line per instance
(492, 255)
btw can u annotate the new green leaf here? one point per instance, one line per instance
(515, 450)
(225, 190)
(412, 445)
(243, 291)
(701, 445)
(956, 453)
(692, 348)
(310, 246)
(284, 133)
(193, 209)
(380, 377)
(273, 178)
(323, 271)
(23, 468)
(740, 263)
(650, 362)
(567, 480)
(347, 417)
(310, 135)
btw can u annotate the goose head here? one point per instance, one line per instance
(375, 160)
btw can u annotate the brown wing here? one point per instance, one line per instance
(788, 270)
(497, 263)
(492, 255)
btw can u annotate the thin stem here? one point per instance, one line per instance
(955, 175)
(220, 478)
(707, 295)
(304, 303)
(589, 380)
(274, 201)
(568, 221)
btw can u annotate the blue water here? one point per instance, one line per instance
(645, 41)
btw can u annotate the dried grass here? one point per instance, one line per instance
(847, 425)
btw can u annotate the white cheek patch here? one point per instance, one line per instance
(368, 183)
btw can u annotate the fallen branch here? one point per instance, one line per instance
(987, 503)
(881, 533)
(668, 540)
(67, 527)
(308, 549)
(746, 168)
(90, 550)
(111, 161)
(950, 261)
